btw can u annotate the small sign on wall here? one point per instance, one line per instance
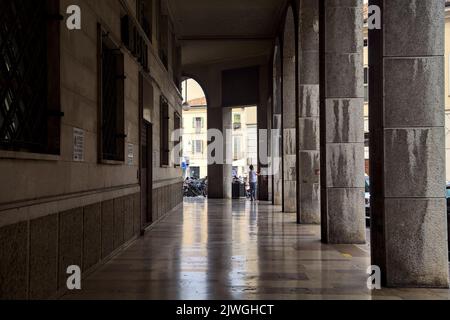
(130, 154)
(78, 144)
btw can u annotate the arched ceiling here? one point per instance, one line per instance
(216, 30)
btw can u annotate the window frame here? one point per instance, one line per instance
(366, 84)
(164, 132)
(177, 125)
(102, 39)
(145, 14)
(195, 145)
(198, 128)
(52, 148)
(237, 147)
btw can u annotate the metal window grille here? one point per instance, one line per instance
(164, 112)
(112, 102)
(23, 75)
(144, 16)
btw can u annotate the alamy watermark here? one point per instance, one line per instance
(74, 279)
(73, 21)
(374, 18)
(220, 149)
(374, 280)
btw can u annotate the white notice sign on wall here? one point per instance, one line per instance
(78, 144)
(130, 154)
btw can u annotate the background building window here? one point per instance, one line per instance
(165, 149)
(366, 84)
(30, 114)
(197, 147)
(237, 151)
(237, 121)
(178, 143)
(198, 124)
(112, 100)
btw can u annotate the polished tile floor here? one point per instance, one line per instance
(219, 249)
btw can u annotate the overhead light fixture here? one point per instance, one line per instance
(186, 106)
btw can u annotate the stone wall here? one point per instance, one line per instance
(35, 254)
(165, 199)
(55, 211)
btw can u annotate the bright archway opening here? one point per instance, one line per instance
(195, 143)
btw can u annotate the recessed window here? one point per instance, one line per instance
(144, 13)
(178, 142)
(30, 114)
(197, 147)
(237, 121)
(366, 84)
(198, 123)
(163, 36)
(112, 100)
(237, 151)
(165, 118)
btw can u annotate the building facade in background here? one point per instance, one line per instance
(195, 144)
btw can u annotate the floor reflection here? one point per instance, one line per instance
(220, 249)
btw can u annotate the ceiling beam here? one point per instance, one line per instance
(226, 38)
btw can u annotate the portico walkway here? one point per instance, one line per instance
(218, 249)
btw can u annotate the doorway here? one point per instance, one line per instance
(147, 172)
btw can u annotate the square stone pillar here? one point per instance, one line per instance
(276, 140)
(342, 122)
(407, 141)
(308, 135)
(220, 174)
(263, 134)
(289, 115)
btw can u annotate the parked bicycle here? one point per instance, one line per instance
(195, 187)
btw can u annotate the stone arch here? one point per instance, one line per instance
(200, 82)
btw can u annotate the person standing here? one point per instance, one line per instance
(253, 180)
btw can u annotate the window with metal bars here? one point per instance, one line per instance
(144, 13)
(112, 100)
(178, 143)
(197, 147)
(30, 113)
(163, 39)
(165, 118)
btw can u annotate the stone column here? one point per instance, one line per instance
(215, 171)
(289, 116)
(219, 118)
(270, 177)
(276, 165)
(227, 167)
(342, 122)
(220, 174)
(263, 136)
(308, 181)
(409, 223)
